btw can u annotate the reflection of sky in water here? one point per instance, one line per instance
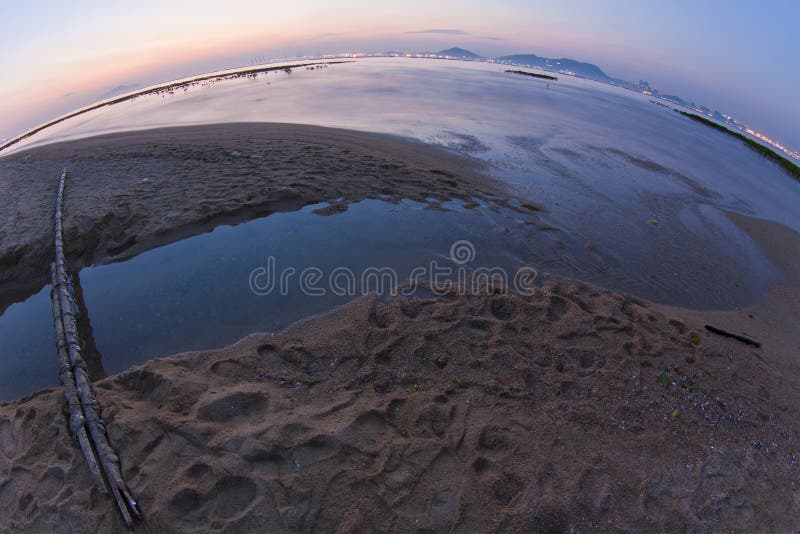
(602, 160)
(195, 293)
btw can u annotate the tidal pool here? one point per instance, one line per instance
(209, 290)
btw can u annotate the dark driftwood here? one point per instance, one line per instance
(86, 424)
(737, 337)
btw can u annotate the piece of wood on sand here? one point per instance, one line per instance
(724, 333)
(85, 421)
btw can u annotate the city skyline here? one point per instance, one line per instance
(736, 62)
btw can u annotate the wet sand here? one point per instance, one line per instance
(130, 192)
(578, 408)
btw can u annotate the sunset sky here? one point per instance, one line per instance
(740, 58)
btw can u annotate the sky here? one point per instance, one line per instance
(738, 57)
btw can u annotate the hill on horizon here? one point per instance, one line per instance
(587, 70)
(459, 53)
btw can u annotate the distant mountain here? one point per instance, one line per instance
(459, 53)
(587, 70)
(570, 66)
(118, 90)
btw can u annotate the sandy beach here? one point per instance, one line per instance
(576, 408)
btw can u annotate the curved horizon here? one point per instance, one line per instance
(704, 53)
(261, 68)
(168, 84)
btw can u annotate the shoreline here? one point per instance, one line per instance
(130, 192)
(771, 318)
(241, 171)
(775, 310)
